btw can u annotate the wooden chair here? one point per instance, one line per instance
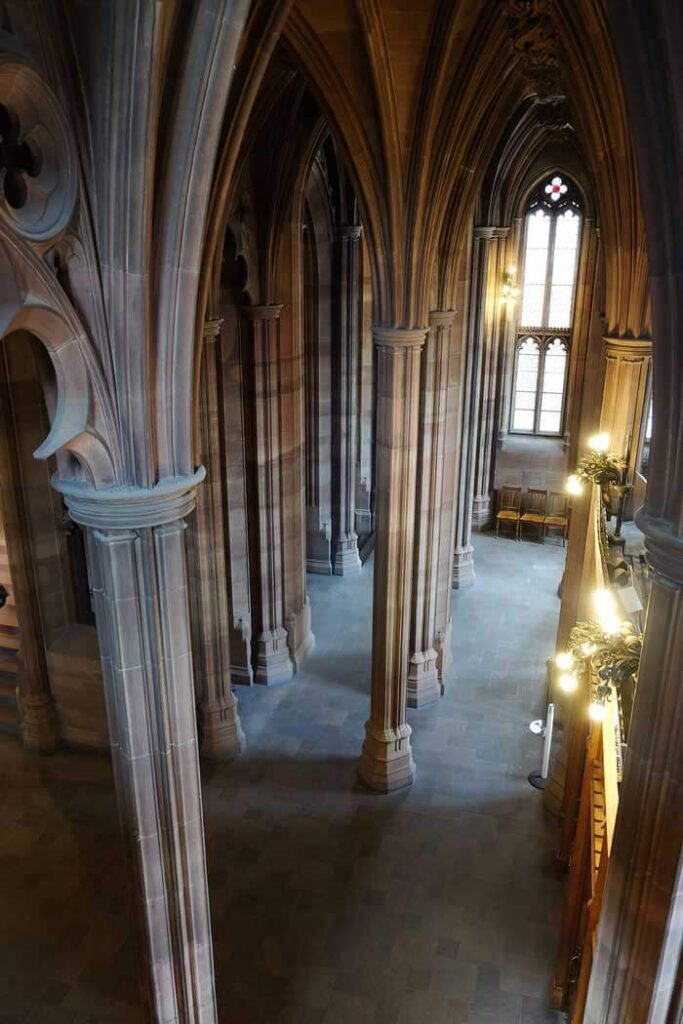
(558, 514)
(509, 504)
(535, 508)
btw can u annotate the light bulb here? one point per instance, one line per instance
(588, 649)
(599, 442)
(563, 659)
(597, 711)
(606, 609)
(567, 682)
(574, 485)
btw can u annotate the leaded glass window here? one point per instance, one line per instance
(552, 234)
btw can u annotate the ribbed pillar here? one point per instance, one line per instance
(627, 369)
(463, 556)
(273, 660)
(424, 684)
(489, 340)
(448, 502)
(136, 543)
(345, 557)
(387, 762)
(221, 732)
(39, 724)
(637, 962)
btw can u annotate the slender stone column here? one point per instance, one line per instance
(448, 502)
(365, 455)
(463, 556)
(387, 761)
(424, 684)
(627, 370)
(221, 733)
(39, 725)
(345, 557)
(137, 570)
(273, 660)
(490, 327)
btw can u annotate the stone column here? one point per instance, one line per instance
(273, 660)
(463, 556)
(424, 684)
(365, 457)
(221, 733)
(627, 370)
(39, 725)
(136, 542)
(345, 557)
(489, 337)
(387, 761)
(232, 382)
(451, 482)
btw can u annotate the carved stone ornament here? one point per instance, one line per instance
(38, 168)
(534, 44)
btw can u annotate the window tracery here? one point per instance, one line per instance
(551, 247)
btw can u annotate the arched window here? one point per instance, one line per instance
(551, 248)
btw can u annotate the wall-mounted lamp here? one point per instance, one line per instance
(574, 485)
(599, 442)
(509, 292)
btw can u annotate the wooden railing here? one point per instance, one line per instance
(591, 800)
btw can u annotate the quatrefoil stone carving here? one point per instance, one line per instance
(38, 167)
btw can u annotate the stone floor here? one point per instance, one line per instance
(437, 905)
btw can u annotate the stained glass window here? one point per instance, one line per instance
(552, 232)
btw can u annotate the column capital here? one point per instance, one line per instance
(130, 507)
(212, 328)
(488, 232)
(271, 312)
(664, 547)
(627, 348)
(353, 231)
(441, 317)
(399, 337)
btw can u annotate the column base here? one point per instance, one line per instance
(463, 567)
(424, 685)
(300, 638)
(273, 661)
(386, 763)
(39, 724)
(444, 655)
(241, 675)
(319, 567)
(481, 512)
(222, 735)
(363, 522)
(346, 557)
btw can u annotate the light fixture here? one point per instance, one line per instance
(599, 442)
(564, 660)
(606, 609)
(574, 485)
(509, 292)
(597, 711)
(568, 682)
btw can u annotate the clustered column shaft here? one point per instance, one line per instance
(138, 574)
(222, 735)
(345, 557)
(387, 762)
(463, 561)
(273, 660)
(424, 683)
